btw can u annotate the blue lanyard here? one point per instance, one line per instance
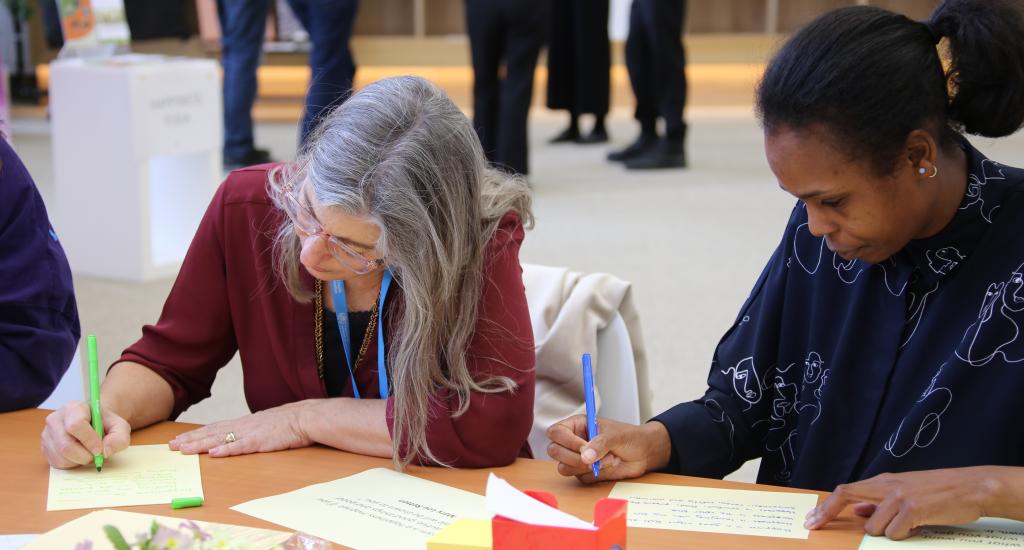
(341, 312)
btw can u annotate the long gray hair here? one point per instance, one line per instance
(400, 153)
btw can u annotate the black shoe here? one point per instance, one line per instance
(596, 136)
(638, 147)
(255, 156)
(665, 154)
(571, 133)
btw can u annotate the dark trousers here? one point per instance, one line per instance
(505, 33)
(656, 62)
(243, 23)
(329, 24)
(579, 56)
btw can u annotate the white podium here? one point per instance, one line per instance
(137, 157)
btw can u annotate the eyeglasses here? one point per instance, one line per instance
(306, 225)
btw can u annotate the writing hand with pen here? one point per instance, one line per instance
(79, 433)
(625, 450)
(69, 439)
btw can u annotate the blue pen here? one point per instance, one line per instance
(588, 389)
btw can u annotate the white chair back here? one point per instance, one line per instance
(70, 388)
(615, 374)
(573, 313)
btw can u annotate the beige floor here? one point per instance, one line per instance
(691, 241)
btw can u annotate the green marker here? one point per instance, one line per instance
(186, 502)
(94, 397)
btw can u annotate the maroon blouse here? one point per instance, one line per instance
(228, 298)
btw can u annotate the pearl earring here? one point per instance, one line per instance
(921, 170)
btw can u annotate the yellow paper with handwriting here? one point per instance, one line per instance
(984, 533)
(90, 528)
(138, 475)
(729, 511)
(378, 509)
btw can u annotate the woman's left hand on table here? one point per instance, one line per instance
(269, 430)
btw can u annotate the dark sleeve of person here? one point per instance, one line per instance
(194, 337)
(493, 429)
(39, 326)
(714, 435)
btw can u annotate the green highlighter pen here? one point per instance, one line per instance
(94, 396)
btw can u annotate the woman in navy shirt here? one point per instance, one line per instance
(39, 327)
(881, 352)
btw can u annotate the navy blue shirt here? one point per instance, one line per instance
(836, 371)
(38, 317)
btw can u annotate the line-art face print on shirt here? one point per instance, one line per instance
(976, 183)
(812, 368)
(789, 402)
(943, 260)
(997, 331)
(920, 428)
(787, 395)
(809, 251)
(746, 382)
(848, 270)
(814, 249)
(779, 438)
(815, 378)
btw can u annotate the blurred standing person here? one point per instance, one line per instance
(656, 62)
(505, 33)
(243, 24)
(579, 58)
(329, 24)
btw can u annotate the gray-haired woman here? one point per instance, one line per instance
(372, 289)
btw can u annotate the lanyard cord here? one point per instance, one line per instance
(344, 327)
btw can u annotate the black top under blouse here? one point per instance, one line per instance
(336, 377)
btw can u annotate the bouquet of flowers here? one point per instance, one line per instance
(190, 536)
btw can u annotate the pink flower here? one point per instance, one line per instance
(197, 532)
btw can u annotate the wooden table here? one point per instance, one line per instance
(230, 481)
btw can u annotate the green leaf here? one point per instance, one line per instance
(116, 538)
